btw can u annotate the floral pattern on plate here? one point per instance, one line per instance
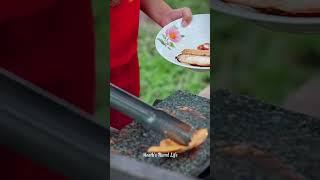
(171, 36)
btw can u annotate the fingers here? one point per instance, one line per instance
(184, 13)
(186, 16)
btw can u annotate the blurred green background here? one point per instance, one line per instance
(160, 78)
(252, 60)
(248, 59)
(101, 16)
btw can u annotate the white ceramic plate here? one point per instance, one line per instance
(198, 32)
(273, 22)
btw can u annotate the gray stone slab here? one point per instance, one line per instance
(127, 168)
(290, 141)
(134, 140)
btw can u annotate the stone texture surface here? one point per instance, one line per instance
(134, 140)
(205, 92)
(279, 144)
(306, 99)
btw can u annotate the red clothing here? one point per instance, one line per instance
(51, 44)
(123, 53)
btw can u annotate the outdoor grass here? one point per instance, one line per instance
(160, 78)
(102, 96)
(260, 62)
(248, 59)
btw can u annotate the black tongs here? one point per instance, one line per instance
(149, 116)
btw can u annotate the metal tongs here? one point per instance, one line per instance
(149, 116)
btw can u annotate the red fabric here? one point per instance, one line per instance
(51, 44)
(123, 51)
(126, 77)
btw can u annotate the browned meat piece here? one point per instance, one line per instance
(202, 61)
(205, 46)
(196, 52)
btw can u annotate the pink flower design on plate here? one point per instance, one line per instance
(173, 34)
(170, 37)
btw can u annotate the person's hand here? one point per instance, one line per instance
(184, 13)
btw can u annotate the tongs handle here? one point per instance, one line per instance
(150, 117)
(130, 105)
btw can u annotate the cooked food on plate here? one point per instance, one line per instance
(167, 145)
(196, 52)
(196, 57)
(203, 61)
(283, 7)
(205, 46)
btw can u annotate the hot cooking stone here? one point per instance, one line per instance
(134, 140)
(291, 137)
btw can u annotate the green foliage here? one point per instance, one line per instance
(260, 62)
(197, 6)
(160, 78)
(100, 22)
